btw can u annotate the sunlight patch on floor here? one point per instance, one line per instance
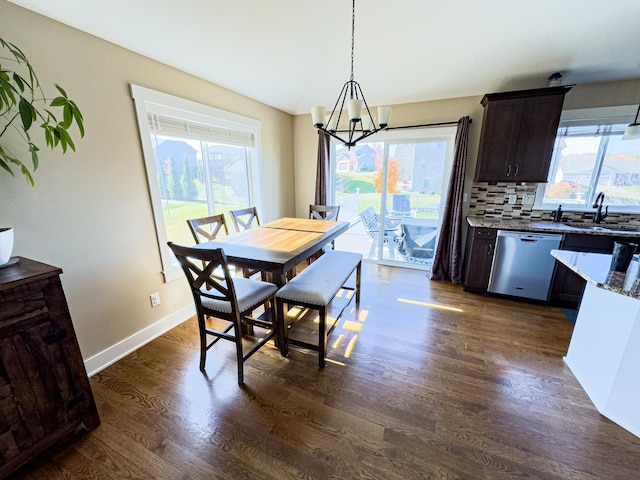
(431, 305)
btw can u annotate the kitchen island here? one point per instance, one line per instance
(604, 352)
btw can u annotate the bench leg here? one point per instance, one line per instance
(282, 328)
(322, 336)
(358, 278)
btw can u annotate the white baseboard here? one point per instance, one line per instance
(102, 360)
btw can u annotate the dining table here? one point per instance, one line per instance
(279, 246)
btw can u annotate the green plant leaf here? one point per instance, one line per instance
(27, 174)
(17, 79)
(67, 116)
(58, 102)
(34, 156)
(27, 113)
(61, 90)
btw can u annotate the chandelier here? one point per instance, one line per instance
(633, 130)
(361, 123)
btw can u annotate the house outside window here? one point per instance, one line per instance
(200, 161)
(590, 157)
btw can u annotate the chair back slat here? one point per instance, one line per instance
(244, 218)
(207, 228)
(324, 212)
(199, 266)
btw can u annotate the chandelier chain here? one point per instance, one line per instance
(353, 34)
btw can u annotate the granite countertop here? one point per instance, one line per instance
(594, 268)
(553, 227)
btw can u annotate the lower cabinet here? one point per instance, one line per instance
(478, 257)
(44, 390)
(567, 286)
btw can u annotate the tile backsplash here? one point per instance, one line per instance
(491, 200)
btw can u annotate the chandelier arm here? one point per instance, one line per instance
(343, 97)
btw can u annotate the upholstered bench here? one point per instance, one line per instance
(314, 288)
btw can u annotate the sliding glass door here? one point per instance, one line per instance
(391, 191)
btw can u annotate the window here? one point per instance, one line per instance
(401, 178)
(590, 157)
(200, 161)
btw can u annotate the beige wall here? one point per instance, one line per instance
(306, 139)
(581, 96)
(90, 212)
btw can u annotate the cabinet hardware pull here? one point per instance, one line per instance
(55, 337)
(515, 172)
(489, 249)
(508, 170)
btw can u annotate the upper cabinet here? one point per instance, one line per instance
(518, 133)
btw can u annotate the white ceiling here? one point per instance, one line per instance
(293, 54)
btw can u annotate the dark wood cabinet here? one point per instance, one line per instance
(478, 257)
(44, 390)
(518, 133)
(567, 286)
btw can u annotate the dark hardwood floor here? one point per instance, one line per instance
(439, 384)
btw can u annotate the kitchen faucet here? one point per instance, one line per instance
(599, 216)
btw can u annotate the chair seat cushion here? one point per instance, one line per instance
(249, 293)
(319, 282)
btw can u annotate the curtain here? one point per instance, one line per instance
(322, 171)
(447, 261)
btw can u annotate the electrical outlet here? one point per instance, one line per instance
(528, 199)
(513, 198)
(155, 299)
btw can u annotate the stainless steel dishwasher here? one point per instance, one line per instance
(522, 264)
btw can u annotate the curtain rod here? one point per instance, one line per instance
(423, 125)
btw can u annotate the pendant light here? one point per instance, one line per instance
(361, 123)
(633, 130)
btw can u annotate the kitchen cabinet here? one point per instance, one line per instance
(567, 286)
(45, 394)
(518, 133)
(478, 258)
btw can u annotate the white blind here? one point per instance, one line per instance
(591, 130)
(181, 127)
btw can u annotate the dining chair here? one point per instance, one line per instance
(244, 218)
(324, 212)
(207, 228)
(229, 301)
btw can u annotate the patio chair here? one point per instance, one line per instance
(417, 243)
(371, 221)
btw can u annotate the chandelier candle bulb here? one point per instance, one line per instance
(318, 116)
(332, 123)
(367, 123)
(384, 114)
(354, 106)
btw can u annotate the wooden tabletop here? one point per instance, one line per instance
(277, 247)
(302, 224)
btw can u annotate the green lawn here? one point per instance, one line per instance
(176, 213)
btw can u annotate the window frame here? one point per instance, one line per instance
(151, 101)
(614, 115)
